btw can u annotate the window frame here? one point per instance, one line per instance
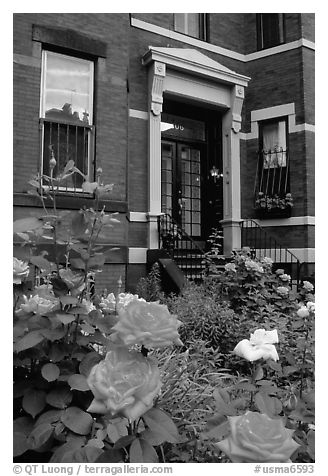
(260, 29)
(202, 25)
(90, 127)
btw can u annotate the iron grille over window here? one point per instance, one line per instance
(192, 24)
(270, 30)
(272, 181)
(66, 115)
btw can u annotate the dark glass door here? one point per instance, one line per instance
(182, 185)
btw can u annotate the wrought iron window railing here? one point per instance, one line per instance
(272, 180)
(67, 141)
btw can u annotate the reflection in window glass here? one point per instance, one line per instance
(67, 88)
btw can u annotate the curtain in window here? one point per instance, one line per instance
(274, 145)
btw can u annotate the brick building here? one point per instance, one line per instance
(205, 118)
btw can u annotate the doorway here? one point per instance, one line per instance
(191, 186)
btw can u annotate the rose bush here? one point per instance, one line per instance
(146, 323)
(256, 438)
(20, 270)
(124, 383)
(260, 346)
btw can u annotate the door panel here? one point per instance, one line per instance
(181, 185)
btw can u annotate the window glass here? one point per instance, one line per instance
(270, 29)
(191, 24)
(182, 127)
(67, 88)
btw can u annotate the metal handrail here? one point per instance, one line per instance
(263, 244)
(180, 246)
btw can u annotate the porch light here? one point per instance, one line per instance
(215, 173)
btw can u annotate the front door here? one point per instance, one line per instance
(191, 150)
(182, 186)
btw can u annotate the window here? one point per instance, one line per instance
(66, 112)
(192, 24)
(272, 180)
(270, 30)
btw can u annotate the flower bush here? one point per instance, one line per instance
(223, 372)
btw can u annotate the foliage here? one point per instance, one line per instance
(274, 202)
(149, 287)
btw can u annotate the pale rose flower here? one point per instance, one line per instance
(256, 438)
(280, 271)
(253, 265)
(230, 267)
(39, 305)
(20, 270)
(282, 290)
(285, 277)
(311, 306)
(125, 383)
(267, 261)
(110, 302)
(260, 346)
(303, 312)
(146, 323)
(45, 291)
(308, 286)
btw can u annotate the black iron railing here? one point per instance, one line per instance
(67, 141)
(188, 255)
(262, 244)
(272, 184)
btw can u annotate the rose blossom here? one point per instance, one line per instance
(253, 265)
(308, 286)
(256, 438)
(39, 304)
(146, 323)
(280, 271)
(20, 270)
(230, 267)
(285, 277)
(125, 383)
(109, 303)
(260, 346)
(282, 290)
(303, 312)
(267, 261)
(311, 306)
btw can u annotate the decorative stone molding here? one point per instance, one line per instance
(157, 88)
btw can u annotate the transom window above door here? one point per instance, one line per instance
(192, 24)
(66, 114)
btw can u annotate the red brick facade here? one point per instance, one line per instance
(121, 85)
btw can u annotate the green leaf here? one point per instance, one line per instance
(89, 361)
(77, 420)
(68, 300)
(60, 453)
(77, 263)
(23, 425)
(50, 372)
(160, 422)
(97, 261)
(65, 318)
(258, 373)
(153, 437)
(31, 339)
(27, 224)
(124, 441)
(268, 405)
(40, 435)
(116, 429)
(142, 452)
(34, 401)
(59, 397)
(53, 334)
(50, 416)
(78, 382)
(20, 444)
(110, 456)
(92, 453)
(42, 263)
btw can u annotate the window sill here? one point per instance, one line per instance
(69, 201)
